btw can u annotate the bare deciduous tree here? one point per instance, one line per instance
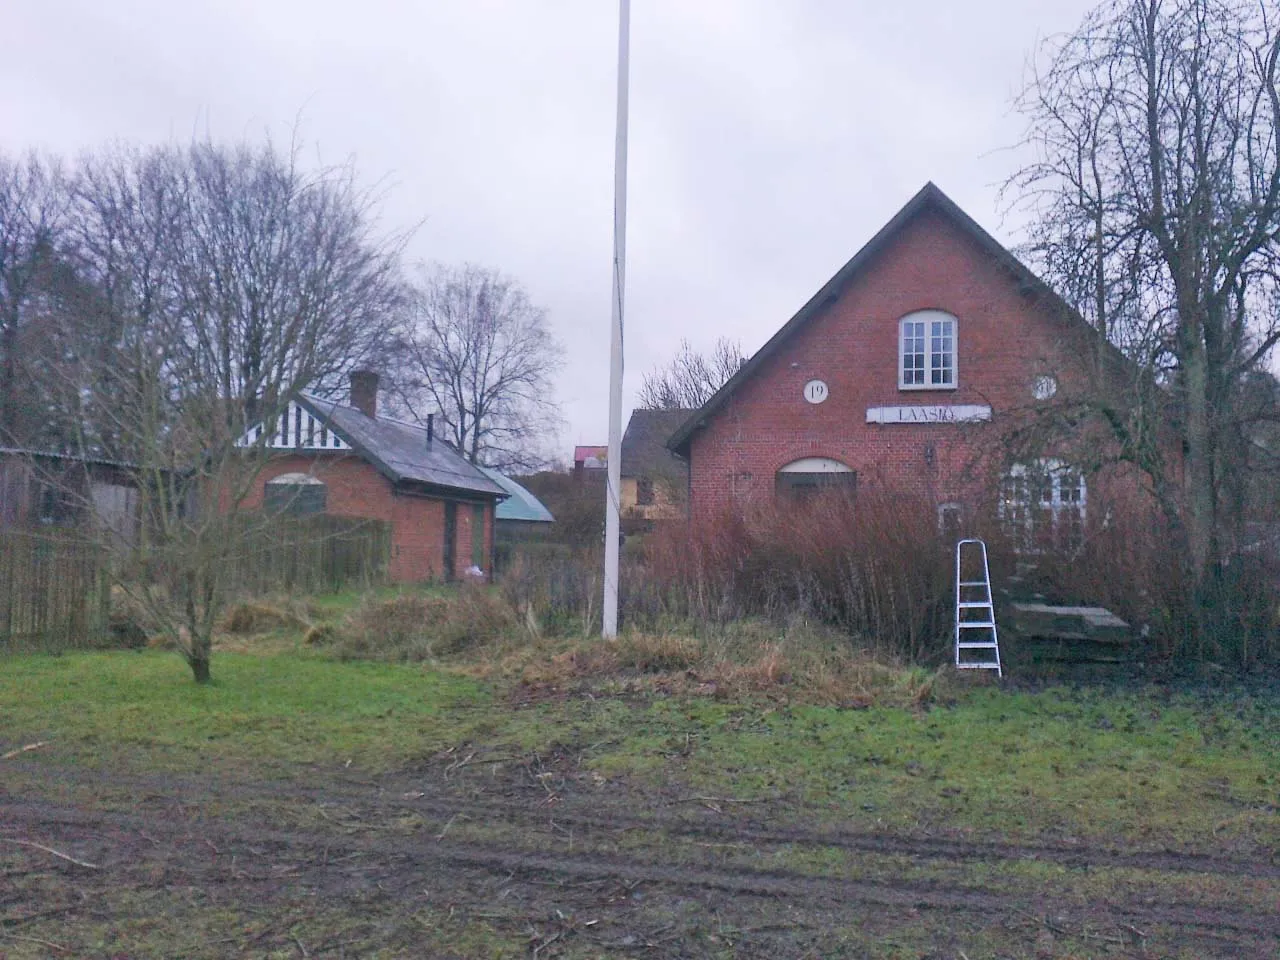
(691, 378)
(1156, 195)
(32, 206)
(232, 279)
(251, 271)
(482, 356)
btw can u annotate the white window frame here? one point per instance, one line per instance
(1020, 515)
(950, 508)
(928, 318)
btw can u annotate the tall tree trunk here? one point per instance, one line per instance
(1199, 463)
(199, 650)
(9, 382)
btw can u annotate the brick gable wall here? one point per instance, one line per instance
(1004, 341)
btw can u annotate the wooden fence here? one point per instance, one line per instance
(55, 591)
(313, 554)
(55, 587)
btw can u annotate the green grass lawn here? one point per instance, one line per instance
(1145, 766)
(272, 711)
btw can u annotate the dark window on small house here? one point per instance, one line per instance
(295, 498)
(450, 539)
(477, 536)
(644, 492)
(55, 505)
(796, 487)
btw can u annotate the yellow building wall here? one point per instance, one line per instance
(665, 506)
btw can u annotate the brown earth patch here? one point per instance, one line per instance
(529, 851)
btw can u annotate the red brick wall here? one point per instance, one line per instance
(1004, 341)
(357, 489)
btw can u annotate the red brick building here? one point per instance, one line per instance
(901, 373)
(325, 457)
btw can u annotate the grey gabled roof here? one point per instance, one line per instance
(644, 450)
(521, 504)
(930, 197)
(400, 450)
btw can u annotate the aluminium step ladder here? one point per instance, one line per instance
(977, 641)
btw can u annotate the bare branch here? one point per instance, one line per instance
(481, 357)
(691, 378)
(1155, 196)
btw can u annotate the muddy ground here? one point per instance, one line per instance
(478, 855)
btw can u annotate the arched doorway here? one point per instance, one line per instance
(801, 480)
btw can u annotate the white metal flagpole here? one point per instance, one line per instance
(611, 518)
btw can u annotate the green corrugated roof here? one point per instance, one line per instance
(521, 504)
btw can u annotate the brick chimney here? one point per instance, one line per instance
(364, 392)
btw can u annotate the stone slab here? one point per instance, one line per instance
(1045, 621)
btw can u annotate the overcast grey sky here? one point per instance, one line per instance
(769, 138)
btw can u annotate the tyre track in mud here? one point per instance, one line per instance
(524, 803)
(400, 863)
(880, 843)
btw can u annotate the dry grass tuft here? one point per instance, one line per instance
(802, 663)
(245, 619)
(663, 653)
(413, 627)
(128, 625)
(320, 633)
(475, 631)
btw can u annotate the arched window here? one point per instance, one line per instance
(295, 494)
(800, 480)
(1042, 504)
(927, 351)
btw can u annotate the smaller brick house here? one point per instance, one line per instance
(345, 460)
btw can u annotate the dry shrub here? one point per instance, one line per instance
(392, 629)
(413, 626)
(128, 625)
(474, 615)
(556, 588)
(877, 571)
(248, 618)
(1244, 609)
(1130, 563)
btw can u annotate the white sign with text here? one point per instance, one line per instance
(957, 413)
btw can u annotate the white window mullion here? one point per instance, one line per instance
(941, 353)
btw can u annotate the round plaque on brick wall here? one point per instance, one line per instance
(815, 391)
(1044, 387)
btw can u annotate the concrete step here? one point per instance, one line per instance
(1042, 621)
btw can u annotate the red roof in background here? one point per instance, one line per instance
(584, 455)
